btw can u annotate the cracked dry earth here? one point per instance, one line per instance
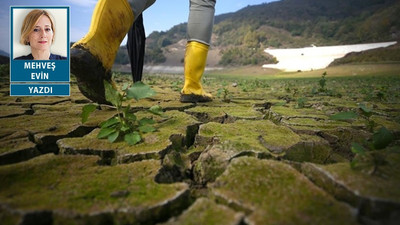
(249, 160)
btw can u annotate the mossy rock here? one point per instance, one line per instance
(341, 139)
(12, 111)
(342, 103)
(312, 148)
(225, 114)
(290, 112)
(47, 126)
(194, 152)
(259, 137)
(212, 163)
(176, 132)
(319, 124)
(17, 150)
(31, 100)
(176, 167)
(376, 196)
(174, 104)
(272, 192)
(386, 122)
(205, 211)
(168, 100)
(75, 190)
(57, 108)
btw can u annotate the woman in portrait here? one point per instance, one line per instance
(38, 32)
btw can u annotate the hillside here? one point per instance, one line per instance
(381, 55)
(240, 37)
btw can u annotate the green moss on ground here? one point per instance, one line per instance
(246, 135)
(11, 110)
(319, 124)
(205, 211)
(275, 193)
(311, 149)
(234, 110)
(76, 184)
(383, 185)
(16, 145)
(288, 112)
(154, 145)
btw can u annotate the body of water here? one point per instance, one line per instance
(312, 58)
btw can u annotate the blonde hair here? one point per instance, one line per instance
(30, 21)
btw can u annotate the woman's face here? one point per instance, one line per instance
(42, 35)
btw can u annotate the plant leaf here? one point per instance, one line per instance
(365, 110)
(125, 128)
(382, 138)
(112, 95)
(125, 86)
(344, 116)
(357, 148)
(113, 136)
(353, 164)
(147, 129)
(110, 122)
(86, 110)
(157, 110)
(130, 116)
(139, 91)
(126, 109)
(146, 121)
(132, 138)
(104, 132)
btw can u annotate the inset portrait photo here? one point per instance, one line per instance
(39, 33)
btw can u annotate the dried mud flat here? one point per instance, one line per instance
(265, 152)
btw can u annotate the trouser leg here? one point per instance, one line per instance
(138, 6)
(201, 20)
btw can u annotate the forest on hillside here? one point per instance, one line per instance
(242, 36)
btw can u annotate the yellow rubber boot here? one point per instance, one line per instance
(93, 56)
(195, 63)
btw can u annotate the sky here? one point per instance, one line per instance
(161, 16)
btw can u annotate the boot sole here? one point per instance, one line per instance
(90, 74)
(191, 98)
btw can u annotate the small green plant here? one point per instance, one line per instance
(344, 116)
(322, 82)
(364, 112)
(225, 94)
(367, 113)
(177, 85)
(301, 102)
(125, 124)
(381, 94)
(368, 156)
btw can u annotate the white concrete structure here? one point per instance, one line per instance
(311, 58)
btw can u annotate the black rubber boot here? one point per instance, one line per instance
(90, 74)
(191, 98)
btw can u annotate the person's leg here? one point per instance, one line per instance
(93, 56)
(201, 20)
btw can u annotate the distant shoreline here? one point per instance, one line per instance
(313, 58)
